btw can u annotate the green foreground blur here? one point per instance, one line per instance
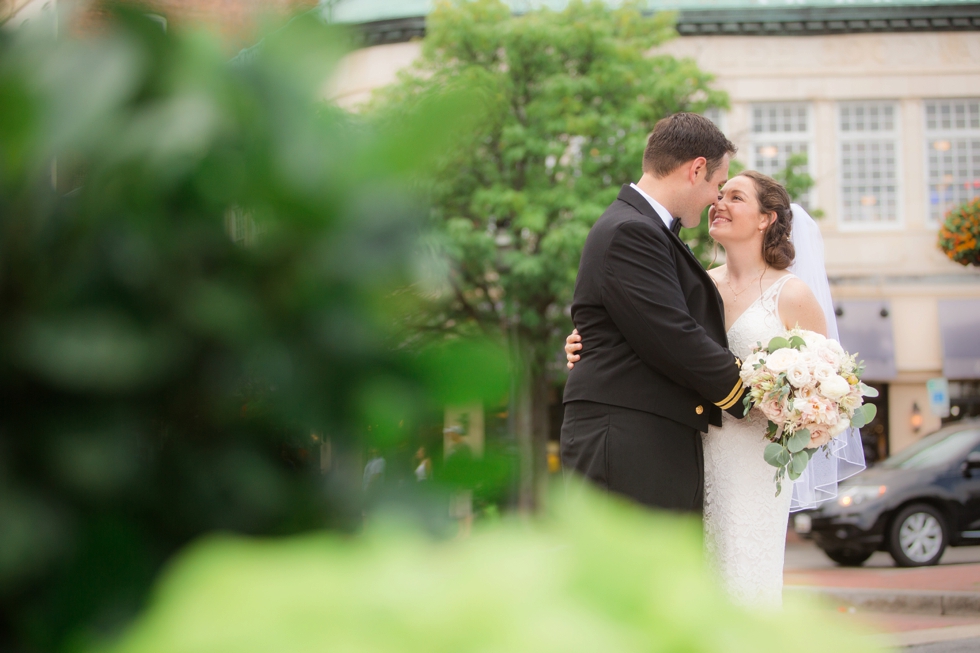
(597, 575)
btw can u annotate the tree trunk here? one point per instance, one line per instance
(541, 423)
(529, 406)
(522, 424)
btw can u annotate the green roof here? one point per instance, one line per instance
(366, 11)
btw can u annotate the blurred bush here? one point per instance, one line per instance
(161, 380)
(597, 576)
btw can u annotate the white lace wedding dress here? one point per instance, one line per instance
(744, 522)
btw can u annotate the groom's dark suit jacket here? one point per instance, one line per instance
(653, 332)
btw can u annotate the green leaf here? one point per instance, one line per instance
(783, 458)
(867, 390)
(863, 415)
(871, 411)
(772, 454)
(794, 475)
(798, 441)
(771, 429)
(796, 342)
(799, 463)
(777, 343)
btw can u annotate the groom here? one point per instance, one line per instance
(655, 368)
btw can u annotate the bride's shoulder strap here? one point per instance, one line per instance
(777, 286)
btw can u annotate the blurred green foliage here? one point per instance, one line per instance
(568, 98)
(597, 575)
(159, 380)
(797, 180)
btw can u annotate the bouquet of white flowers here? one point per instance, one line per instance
(810, 390)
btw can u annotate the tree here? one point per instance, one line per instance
(568, 100)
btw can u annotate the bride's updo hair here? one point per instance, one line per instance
(777, 250)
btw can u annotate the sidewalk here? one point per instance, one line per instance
(907, 606)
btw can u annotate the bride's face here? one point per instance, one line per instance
(736, 216)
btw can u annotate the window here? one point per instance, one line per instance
(940, 448)
(869, 168)
(953, 154)
(778, 132)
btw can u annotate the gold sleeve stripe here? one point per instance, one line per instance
(732, 398)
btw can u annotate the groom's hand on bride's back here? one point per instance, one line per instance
(572, 345)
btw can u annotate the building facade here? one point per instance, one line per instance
(889, 122)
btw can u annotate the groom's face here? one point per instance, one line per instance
(704, 192)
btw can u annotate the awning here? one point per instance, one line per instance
(959, 323)
(866, 330)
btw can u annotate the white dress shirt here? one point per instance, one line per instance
(657, 206)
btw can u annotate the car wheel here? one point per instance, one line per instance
(918, 536)
(849, 557)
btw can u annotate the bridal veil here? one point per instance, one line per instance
(845, 454)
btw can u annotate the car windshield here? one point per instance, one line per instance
(936, 449)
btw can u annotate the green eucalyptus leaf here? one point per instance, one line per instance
(867, 390)
(783, 458)
(796, 342)
(799, 462)
(772, 454)
(798, 441)
(863, 415)
(777, 343)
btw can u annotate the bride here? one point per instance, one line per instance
(744, 521)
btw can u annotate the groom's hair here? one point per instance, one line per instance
(683, 137)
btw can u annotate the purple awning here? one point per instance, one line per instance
(866, 330)
(959, 322)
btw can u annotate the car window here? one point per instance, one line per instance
(937, 449)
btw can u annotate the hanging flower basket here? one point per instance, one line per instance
(959, 237)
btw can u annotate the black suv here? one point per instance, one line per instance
(913, 504)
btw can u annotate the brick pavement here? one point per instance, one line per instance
(808, 572)
(955, 578)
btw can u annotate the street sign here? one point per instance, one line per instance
(938, 396)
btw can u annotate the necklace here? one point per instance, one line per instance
(728, 282)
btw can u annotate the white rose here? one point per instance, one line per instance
(810, 359)
(830, 354)
(812, 338)
(835, 347)
(839, 427)
(798, 375)
(782, 359)
(748, 370)
(834, 388)
(823, 371)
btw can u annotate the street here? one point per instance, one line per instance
(916, 610)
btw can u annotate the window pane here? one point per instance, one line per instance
(953, 159)
(868, 164)
(780, 130)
